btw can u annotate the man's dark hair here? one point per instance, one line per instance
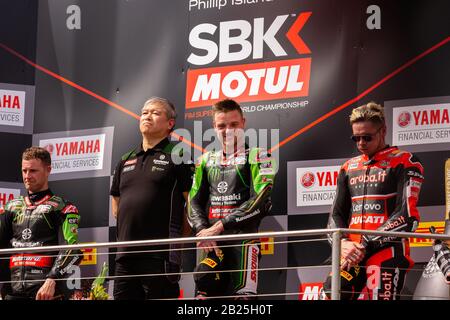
(37, 153)
(226, 105)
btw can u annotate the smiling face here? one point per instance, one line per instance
(369, 137)
(154, 120)
(35, 175)
(229, 127)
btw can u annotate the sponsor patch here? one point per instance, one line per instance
(352, 166)
(262, 156)
(73, 220)
(130, 162)
(53, 203)
(128, 168)
(161, 162)
(209, 262)
(70, 209)
(266, 171)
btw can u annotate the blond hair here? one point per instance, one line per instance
(371, 111)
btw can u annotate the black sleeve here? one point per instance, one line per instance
(115, 186)
(340, 211)
(5, 228)
(5, 237)
(185, 172)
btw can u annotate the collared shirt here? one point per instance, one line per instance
(150, 187)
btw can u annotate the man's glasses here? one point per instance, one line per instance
(364, 137)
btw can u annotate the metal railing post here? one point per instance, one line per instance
(336, 266)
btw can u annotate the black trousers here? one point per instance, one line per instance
(137, 280)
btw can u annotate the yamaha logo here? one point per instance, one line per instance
(26, 234)
(222, 187)
(49, 147)
(404, 119)
(308, 180)
(162, 157)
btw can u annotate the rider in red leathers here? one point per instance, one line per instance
(377, 190)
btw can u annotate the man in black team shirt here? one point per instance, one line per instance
(39, 219)
(148, 195)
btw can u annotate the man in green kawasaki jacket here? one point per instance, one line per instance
(230, 195)
(39, 219)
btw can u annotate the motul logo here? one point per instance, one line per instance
(251, 82)
(5, 197)
(431, 117)
(242, 30)
(311, 291)
(77, 147)
(10, 101)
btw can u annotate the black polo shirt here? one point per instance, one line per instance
(150, 187)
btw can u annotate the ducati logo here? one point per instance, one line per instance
(222, 187)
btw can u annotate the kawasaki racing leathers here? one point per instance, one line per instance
(29, 222)
(237, 192)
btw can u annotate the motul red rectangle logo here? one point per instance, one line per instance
(310, 291)
(282, 79)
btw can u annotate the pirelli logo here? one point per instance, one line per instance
(209, 262)
(267, 246)
(89, 256)
(424, 228)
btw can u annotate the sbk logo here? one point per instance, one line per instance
(250, 82)
(247, 48)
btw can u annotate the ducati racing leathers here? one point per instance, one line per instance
(237, 192)
(378, 193)
(25, 224)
